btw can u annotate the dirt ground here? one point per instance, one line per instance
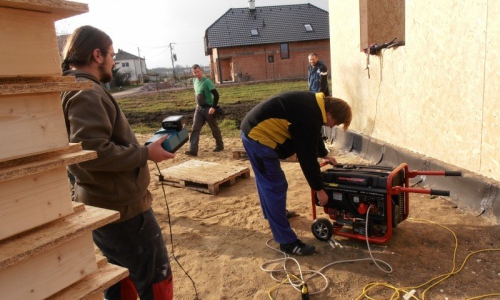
(220, 241)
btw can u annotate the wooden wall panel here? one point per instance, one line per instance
(381, 21)
(31, 124)
(51, 271)
(46, 244)
(490, 154)
(22, 32)
(438, 94)
(33, 200)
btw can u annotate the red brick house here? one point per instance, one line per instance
(266, 43)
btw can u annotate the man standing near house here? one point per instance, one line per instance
(207, 98)
(317, 75)
(118, 178)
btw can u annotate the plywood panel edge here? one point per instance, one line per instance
(41, 84)
(27, 244)
(34, 79)
(49, 163)
(59, 8)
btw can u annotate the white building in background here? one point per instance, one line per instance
(131, 65)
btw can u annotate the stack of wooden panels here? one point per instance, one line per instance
(46, 247)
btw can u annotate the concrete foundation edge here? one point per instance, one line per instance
(472, 191)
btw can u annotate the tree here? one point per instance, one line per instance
(119, 79)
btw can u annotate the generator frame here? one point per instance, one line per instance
(390, 191)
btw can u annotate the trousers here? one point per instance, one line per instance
(137, 244)
(272, 188)
(201, 116)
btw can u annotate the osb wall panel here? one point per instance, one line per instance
(438, 94)
(21, 32)
(381, 21)
(490, 157)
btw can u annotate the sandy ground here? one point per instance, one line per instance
(220, 241)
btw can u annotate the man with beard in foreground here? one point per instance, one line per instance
(118, 178)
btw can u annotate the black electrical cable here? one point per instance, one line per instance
(170, 229)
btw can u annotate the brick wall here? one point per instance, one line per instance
(251, 62)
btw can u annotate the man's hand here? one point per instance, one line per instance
(322, 197)
(330, 160)
(211, 111)
(156, 153)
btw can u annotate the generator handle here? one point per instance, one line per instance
(397, 189)
(413, 174)
(440, 193)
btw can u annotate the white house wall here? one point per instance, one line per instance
(439, 94)
(134, 68)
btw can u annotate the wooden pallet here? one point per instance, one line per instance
(202, 176)
(240, 153)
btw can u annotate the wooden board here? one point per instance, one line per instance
(29, 43)
(30, 85)
(33, 200)
(51, 271)
(59, 9)
(92, 286)
(203, 176)
(31, 123)
(28, 244)
(34, 164)
(240, 153)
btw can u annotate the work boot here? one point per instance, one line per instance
(190, 153)
(290, 214)
(218, 148)
(297, 248)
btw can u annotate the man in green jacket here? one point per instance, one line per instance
(207, 98)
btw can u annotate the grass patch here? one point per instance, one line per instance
(146, 111)
(175, 99)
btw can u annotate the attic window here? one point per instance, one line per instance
(308, 27)
(254, 32)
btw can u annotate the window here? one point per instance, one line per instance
(308, 27)
(254, 32)
(125, 64)
(270, 58)
(381, 22)
(284, 51)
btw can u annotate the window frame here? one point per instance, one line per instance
(285, 54)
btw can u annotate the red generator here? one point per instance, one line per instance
(366, 202)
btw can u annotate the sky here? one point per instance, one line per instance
(147, 28)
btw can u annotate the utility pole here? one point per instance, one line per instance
(140, 64)
(172, 58)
